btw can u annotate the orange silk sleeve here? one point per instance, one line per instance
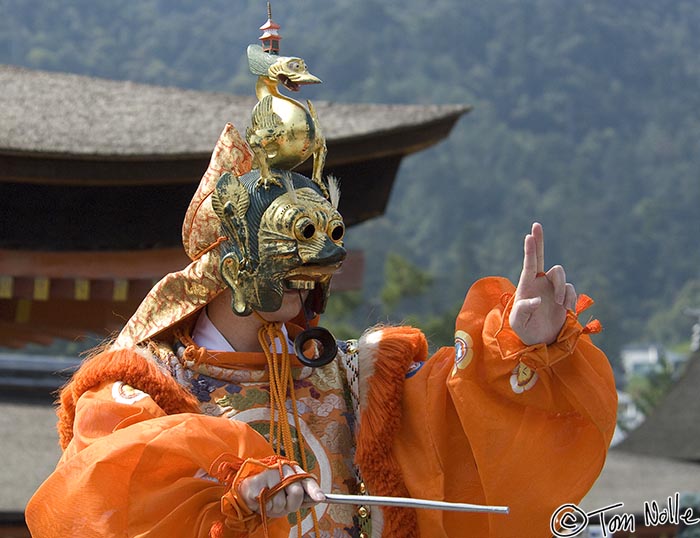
(132, 470)
(493, 422)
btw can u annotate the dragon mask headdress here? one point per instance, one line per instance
(277, 239)
(254, 225)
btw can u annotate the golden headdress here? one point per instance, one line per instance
(254, 225)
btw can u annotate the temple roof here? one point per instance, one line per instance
(82, 134)
(96, 175)
(635, 479)
(673, 429)
(64, 114)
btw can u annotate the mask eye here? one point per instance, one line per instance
(304, 229)
(336, 230)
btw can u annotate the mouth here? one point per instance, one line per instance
(307, 276)
(295, 82)
(288, 83)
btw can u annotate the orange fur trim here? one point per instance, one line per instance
(390, 354)
(130, 367)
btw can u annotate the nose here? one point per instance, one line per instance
(331, 253)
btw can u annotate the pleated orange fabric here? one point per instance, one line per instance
(494, 422)
(132, 470)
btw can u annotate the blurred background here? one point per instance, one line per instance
(585, 118)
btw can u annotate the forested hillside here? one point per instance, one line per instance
(585, 118)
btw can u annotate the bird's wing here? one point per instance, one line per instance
(263, 115)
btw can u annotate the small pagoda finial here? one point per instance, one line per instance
(270, 37)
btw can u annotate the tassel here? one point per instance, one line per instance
(583, 302)
(593, 327)
(217, 530)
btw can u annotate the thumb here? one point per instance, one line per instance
(313, 490)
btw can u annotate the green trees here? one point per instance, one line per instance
(585, 118)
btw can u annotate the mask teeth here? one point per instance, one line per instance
(300, 284)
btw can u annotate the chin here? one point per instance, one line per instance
(291, 306)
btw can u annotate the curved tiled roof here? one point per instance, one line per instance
(673, 429)
(64, 114)
(635, 479)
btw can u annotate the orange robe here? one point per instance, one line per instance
(494, 422)
(488, 421)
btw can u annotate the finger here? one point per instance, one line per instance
(250, 489)
(311, 488)
(276, 506)
(295, 496)
(529, 260)
(252, 503)
(557, 276)
(570, 297)
(288, 499)
(538, 234)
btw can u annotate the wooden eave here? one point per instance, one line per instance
(41, 167)
(47, 295)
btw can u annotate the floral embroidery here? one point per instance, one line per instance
(321, 408)
(336, 436)
(240, 401)
(203, 386)
(213, 410)
(328, 379)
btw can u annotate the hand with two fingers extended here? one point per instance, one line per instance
(288, 500)
(541, 299)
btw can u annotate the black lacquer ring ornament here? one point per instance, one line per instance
(329, 347)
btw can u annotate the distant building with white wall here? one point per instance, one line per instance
(644, 359)
(640, 359)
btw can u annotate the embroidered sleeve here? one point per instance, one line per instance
(130, 469)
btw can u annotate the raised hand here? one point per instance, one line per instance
(286, 501)
(541, 299)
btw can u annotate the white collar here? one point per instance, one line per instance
(205, 334)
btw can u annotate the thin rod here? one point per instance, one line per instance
(407, 502)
